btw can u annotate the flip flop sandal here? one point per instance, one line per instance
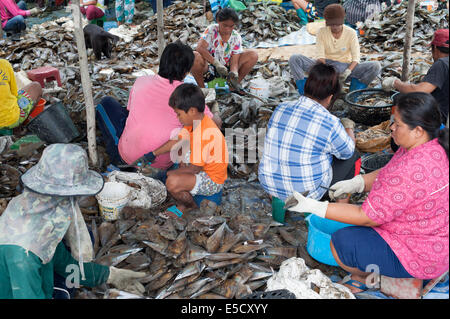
(172, 211)
(354, 283)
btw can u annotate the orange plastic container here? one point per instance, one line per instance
(39, 107)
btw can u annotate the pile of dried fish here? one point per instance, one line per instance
(266, 21)
(13, 163)
(215, 252)
(386, 32)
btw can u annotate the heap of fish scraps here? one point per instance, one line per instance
(266, 21)
(13, 163)
(213, 252)
(386, 31)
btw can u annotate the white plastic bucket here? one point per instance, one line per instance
(113, 197)
(259, 87)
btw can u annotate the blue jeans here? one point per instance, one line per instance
(16, 24)
(111, 118)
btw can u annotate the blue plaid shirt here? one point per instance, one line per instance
(301, 139)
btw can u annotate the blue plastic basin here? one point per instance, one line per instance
(319, 237)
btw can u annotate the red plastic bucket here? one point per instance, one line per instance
(36, 111)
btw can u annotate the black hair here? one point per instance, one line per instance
(442, 49)
(422, 109)
(176, 61)
(323, 81)
(187, 95)
(225, 14)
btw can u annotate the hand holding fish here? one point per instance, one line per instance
(146, 159)
(124, 279)
(308, 205)
(347, 123)
(34, 11)
(344, 75)
(349, 186)
(388, 83)
(221, 69)
(233, 78)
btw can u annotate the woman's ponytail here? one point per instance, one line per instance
(443, 139)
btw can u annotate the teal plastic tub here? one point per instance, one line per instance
(319, 237)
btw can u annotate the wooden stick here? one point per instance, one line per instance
(160, 27)
(85, 82)
(408, 39)
(1, 31)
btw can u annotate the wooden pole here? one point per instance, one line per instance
(85, 82)
(1, 31)
(408, 39)
(160, 27)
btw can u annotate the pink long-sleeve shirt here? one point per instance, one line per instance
(409, 201)
(9, 9)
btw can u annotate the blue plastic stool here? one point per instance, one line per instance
(216, 198)
(301, 86)
(355, 84)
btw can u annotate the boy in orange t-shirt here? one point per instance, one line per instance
(203, 167)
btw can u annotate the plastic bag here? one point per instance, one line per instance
(305, 283)
(375, 139)
(146, 192)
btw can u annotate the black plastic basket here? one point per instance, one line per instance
(274, 294)
(366, 114)
(375, 161)
(54, 125)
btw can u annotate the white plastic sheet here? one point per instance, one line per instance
(306, 283)
(146, 192)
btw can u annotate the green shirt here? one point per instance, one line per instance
(23, 276)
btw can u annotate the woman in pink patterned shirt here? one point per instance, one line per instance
(403, 225)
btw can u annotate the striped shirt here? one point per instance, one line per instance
(360, 10)
(301, 139)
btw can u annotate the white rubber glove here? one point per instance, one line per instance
(388, 83)
(347, 123)
(349, 186)
(34, 11)
(233, 77)
(344, 75)
(222, 69)
(308, 205)
(124, 279)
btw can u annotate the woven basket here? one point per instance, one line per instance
(366, 114)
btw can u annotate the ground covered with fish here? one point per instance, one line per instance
(227, 251)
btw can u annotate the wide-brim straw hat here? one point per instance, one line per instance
(63, 170)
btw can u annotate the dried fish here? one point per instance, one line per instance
(178, 246)
(191, 269)
(213, 242)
